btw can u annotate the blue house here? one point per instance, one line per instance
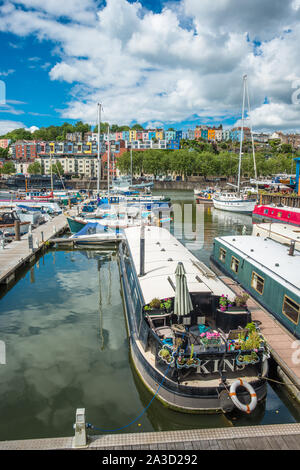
(297, 160)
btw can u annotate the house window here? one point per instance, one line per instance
(291, 309)
(257, 282)
(222, 255)
(234, 264)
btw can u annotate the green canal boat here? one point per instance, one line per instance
(267, 270)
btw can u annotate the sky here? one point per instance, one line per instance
(174, 63)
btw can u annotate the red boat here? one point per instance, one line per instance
(204, 200)
(283, 214)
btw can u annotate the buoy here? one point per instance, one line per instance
(236, 401)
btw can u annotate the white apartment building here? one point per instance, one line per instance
(77, 165)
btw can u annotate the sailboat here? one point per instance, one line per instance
(238, 201)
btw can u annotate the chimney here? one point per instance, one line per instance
(292, 248)
(142, 250)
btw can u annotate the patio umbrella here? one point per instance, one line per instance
(183, 303)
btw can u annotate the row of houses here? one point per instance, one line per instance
(210, 134)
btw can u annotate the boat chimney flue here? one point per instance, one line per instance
(292, 248)
(142, 250)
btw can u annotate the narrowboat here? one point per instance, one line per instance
(282, 233)
(272, 213)
(190, 359)
(267, 270)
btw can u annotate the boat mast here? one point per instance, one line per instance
(252, 139)
(131, 162)
(98, 157)
(108, 160)
(242, 133)
(51, 172)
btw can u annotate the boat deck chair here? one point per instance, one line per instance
(161, 331)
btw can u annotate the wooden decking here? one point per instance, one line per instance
(279, 339)
(269, 437)
(17, 253)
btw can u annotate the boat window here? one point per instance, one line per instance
(279, 214)
(266, 211)
(222, 255)
(257, 282)
(234, 264)
(289, 215)
(291, 309)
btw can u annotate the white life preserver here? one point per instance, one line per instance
(236, 401)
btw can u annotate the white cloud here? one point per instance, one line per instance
(171, 66)
(7, 72)
(8, 126)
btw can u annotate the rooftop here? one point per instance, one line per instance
(269, 256)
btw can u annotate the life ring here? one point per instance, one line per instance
(236, 401)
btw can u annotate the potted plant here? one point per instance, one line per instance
(211, 339)
(223, 302)
(192, 361)
(241, 300)
(154, 306)
(166, 305)
(251, 358)
(166, 356)
(252, 341)
(180, 361)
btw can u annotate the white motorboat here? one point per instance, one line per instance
(96, 234)
(234, 203)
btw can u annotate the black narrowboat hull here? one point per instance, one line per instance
(187, 399)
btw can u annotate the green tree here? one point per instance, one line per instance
(57, 169)
(4, 153)
(34, 168)
(137, 127)
(8, 168)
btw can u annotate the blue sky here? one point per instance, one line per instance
(173, 63)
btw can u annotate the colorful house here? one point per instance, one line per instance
(211, 134)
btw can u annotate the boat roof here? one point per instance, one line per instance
(269, 256)
(291, 232)
(162, 254)
(285, 208)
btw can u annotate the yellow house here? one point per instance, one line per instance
(211, 134)
(89, 145)
(159, 134)
(132, 135)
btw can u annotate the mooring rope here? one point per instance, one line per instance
(91, 426)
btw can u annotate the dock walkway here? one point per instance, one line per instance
(269, 437)
(17, 253)
(280, 341)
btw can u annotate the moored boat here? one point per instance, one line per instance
(7, 223)
(94, 234)
(178, 347)
(272, 213)
(233, 203)
(268, 270)
(282, 233)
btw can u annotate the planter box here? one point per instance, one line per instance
(232, 318)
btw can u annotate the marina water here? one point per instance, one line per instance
(66, 346)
